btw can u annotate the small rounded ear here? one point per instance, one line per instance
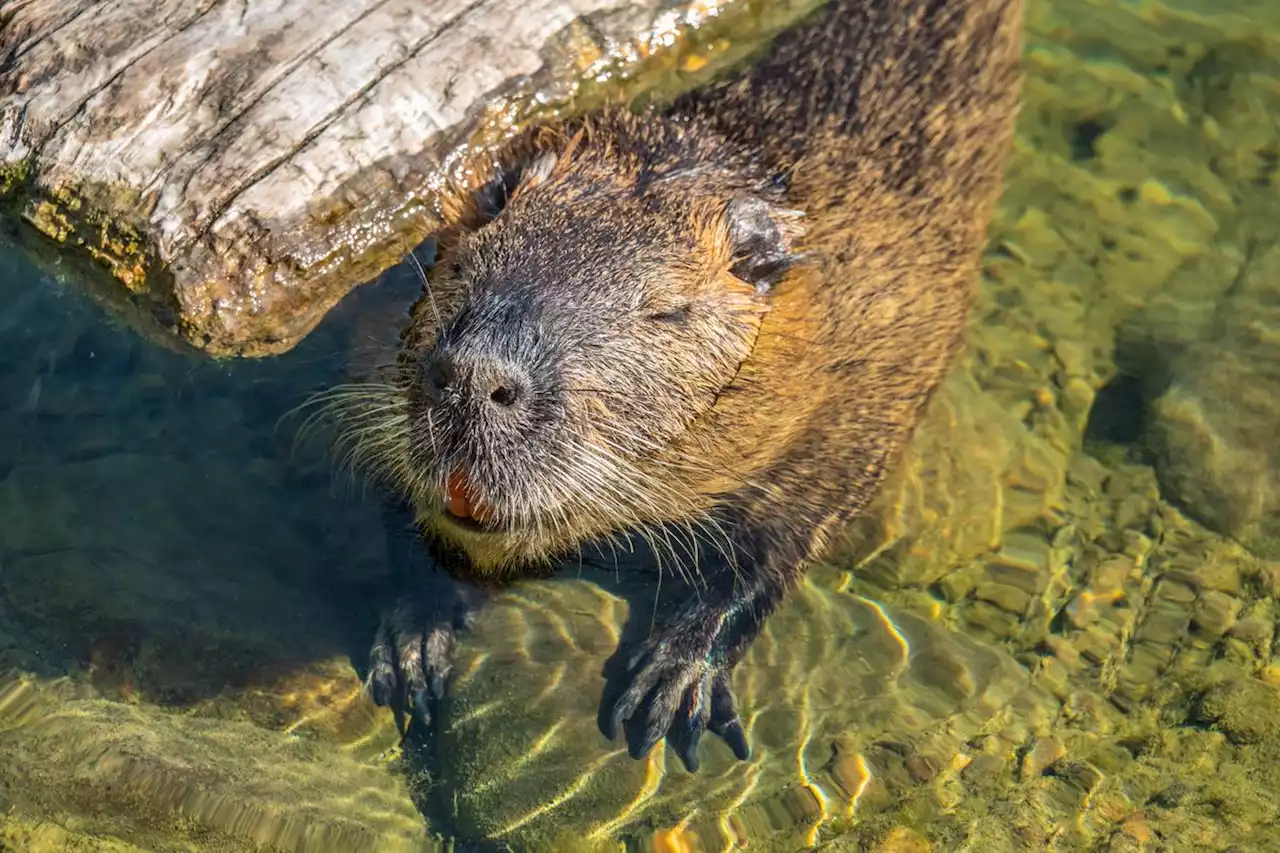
(492, 196)
(541, 168)
(761, 235)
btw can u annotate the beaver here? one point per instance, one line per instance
(719, 319)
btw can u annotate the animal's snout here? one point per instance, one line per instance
(474, 378)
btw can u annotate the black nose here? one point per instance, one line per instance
(488, 381)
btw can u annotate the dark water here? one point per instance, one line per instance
(1055, 631)
(166, 492)
(167, 539)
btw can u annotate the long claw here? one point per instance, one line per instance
(736, 738)
(622, 711)
(654, 731)
(689, 755)
(686, 741)
(696, 710)
(382, 678)
(724, 718)
(421, 707)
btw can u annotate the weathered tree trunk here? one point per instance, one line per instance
(239, 165)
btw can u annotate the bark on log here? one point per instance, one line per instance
(239, 165)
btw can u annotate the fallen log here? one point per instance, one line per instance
(237, 166)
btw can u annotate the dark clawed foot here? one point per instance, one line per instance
(412, 658)
(679, 696)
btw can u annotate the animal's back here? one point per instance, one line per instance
(888, 121)
(894, 87)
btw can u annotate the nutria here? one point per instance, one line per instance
(723, 317)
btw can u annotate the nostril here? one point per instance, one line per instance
(439, 376)
(505, 394)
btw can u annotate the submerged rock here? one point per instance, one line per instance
(163, 781)
(1214, 427)
(1248, 711)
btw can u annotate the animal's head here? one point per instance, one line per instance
(586, 307)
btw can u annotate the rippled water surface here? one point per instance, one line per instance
(1055, 631)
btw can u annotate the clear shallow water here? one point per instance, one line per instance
(1054, 632)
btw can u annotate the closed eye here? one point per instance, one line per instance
(676, 315)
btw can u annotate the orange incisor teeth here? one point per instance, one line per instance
(458, 494)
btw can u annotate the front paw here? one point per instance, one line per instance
(412, 658)
(666, 691)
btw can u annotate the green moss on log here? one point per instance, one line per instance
(14, 177)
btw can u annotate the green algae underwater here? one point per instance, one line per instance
(1056, 630)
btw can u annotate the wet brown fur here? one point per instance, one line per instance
(744, 301)
(896, 167)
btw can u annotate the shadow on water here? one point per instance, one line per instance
(161, 529)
